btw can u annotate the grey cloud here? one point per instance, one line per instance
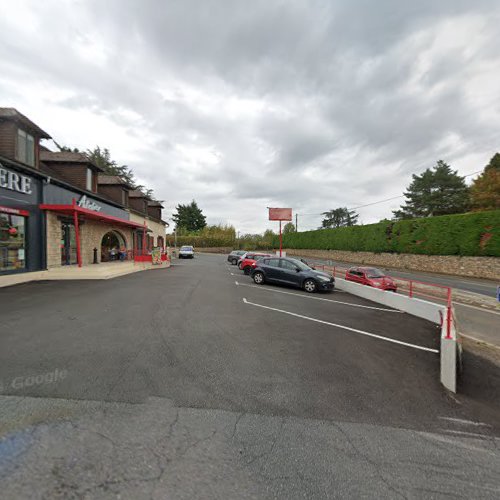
(338, 109)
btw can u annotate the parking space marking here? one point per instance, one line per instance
(319, 298)
(461, 421)
(348, 328)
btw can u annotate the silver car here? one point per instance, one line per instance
(186, 252)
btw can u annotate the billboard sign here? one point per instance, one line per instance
(280, 214)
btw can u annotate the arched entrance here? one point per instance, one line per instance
(113, 247)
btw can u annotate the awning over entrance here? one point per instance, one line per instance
(75, 211)
(71, 210)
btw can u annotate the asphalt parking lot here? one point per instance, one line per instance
(258, 391)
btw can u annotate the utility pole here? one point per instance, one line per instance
(296, 222)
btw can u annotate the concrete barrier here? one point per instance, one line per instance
(436, 313)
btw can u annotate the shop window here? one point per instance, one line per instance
(25, 148)
(12, 242)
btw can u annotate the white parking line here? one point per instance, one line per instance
(465, 434)
(319, 298)
(461, 421)
(361, 332)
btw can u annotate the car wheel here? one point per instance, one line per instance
(239, 265)
(310, 286)
(258, 278)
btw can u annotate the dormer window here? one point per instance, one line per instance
(88, 184)
(25, 148)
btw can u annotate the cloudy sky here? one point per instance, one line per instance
(246, 104)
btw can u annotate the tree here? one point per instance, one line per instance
(189, 217)
(437, 191)
(339, 217)
(102, 158)
(289, 228)
(485, 189)
(67, 149)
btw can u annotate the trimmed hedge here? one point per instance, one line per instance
(475, 233)
(200, 241)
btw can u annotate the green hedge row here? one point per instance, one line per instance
(475, 233)
(201, 241)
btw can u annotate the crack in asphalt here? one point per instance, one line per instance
(368, 460)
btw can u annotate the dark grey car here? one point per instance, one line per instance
(292, 272)
(234, 256)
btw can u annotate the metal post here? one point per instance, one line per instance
(281, 242)
(77, 235)
(411, 289)
(296, 223)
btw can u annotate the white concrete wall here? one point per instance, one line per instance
(416, 307)
(436, 313)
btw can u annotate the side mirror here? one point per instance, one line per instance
(313, 268)
(297, 269)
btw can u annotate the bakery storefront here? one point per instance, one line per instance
(22, 242)
(83, 228)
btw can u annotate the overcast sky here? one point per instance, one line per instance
(245, 104)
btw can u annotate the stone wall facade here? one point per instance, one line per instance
(53, 240)
(157, 228)
(91, 233)
(477, 267)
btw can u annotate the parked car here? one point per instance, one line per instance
(293, 272)
(235, 255)
(186, 252)
(250, 261)
(371, 276)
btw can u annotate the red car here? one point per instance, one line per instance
(250, 261)
(371, 276)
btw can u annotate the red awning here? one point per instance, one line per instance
(92, 214)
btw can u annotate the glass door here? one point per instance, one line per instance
(68, 244)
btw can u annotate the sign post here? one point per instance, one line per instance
(280, 214)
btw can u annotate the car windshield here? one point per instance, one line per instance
(186, 248)
(374, 273)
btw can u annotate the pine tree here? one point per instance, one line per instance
(437, 191)
(102, 158)
(189, 217)
(339, 217)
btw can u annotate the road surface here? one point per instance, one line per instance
(181, 383)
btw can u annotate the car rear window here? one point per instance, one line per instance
(374, 273)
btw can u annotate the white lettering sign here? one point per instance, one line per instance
(14, 182)
(85, 202)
